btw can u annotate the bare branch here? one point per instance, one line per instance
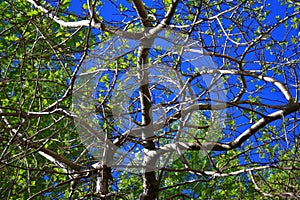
(142, 13)
(167, 18)
(278, 84)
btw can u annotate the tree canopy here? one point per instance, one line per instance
(132, 99)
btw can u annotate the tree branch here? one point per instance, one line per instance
(142, 13)
(218, 146)
(278, 84)
(46, 153)
(167, 18)
(93, 23)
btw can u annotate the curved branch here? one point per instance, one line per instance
(93, 23)
(218, 146)
(166, 20)
(278, 84)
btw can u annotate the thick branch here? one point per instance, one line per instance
(166, 20)
(142, 13)
(93, 23)
(56, 158)
(217, 146)
(150, 183)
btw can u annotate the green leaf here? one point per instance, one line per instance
(85, 6)
(32, 12)
(294, 40)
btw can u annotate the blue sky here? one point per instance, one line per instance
(276, 9)
(109, 13)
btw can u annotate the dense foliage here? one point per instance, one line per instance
(230, 117)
